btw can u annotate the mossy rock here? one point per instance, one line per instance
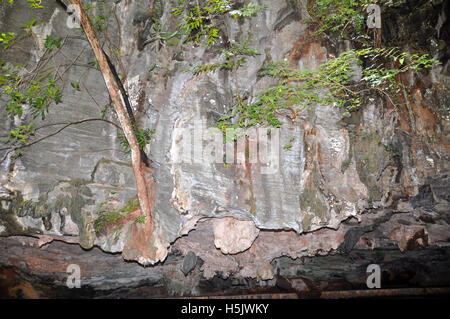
(313, 203)
(8, 217)
(74, 196)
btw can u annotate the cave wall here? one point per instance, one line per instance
(377, 181)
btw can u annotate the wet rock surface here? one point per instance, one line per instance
(348, 192)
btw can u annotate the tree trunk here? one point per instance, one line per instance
(114, 92)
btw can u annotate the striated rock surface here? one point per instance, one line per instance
(376, 181)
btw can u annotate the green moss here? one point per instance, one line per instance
(306, 222)
(312, 203)
(22, 207)
(61, 202)
(18, 208)
(77, 196)
(112, 216)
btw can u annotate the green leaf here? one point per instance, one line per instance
(76, 86)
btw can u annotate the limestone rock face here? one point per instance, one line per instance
(237, 218)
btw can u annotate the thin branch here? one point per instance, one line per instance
(89, 93)
(73, 61)
(78, 122)
(47, 59)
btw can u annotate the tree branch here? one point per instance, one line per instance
(66, 125)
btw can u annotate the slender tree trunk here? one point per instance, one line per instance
(114, 92)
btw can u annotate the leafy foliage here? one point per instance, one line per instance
(348, 17)
(19, 137)
(51, 41)
(339, 15)
(38, 93)
(106, 217)
(141, 219)
(7, 39)
(98, 15)
(199, 20)
(27, 26)
(199, 23)
(235, 56)
(130, 206)
(160, 33)
(332, 83)
(34, 4)
(94, 63)
(76, 86)
(204, 20)
(113, 216)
